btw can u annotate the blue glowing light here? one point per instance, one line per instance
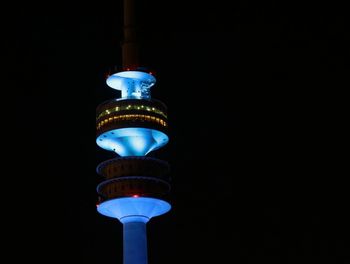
(132, 84)
(132, 141)
(129, 209)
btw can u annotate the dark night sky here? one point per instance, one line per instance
(255, 142)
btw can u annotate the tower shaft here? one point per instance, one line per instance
(134, 243)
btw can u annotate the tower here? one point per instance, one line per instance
(135, 185)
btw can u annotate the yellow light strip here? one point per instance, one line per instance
(132, 117)
(131, 107)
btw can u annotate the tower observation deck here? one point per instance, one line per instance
(134, 186)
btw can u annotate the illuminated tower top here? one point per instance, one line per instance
(135, 124)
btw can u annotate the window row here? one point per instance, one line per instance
(131, 107)
(111, 189)
(134, 117)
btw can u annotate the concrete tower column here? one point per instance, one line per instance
(135, 242)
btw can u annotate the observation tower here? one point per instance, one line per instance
(134, 186)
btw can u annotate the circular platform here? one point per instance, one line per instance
(143, 208)
(134, 165)
(132, 141)
(133, 84)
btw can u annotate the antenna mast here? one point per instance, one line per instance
(130, 49)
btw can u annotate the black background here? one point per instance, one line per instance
(256, 110)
